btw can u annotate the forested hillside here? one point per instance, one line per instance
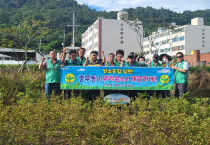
(49, 18)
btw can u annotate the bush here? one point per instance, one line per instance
(26, 116)
(199, 83)
(144, 121)
(14, 85)
(193, 69)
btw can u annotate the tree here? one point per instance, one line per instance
(137, 27)
(26, 32)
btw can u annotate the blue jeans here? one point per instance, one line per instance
(49, 87)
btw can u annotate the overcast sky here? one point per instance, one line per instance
(175, 5)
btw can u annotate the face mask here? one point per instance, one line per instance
(165, 60)
(141, 62)
(155, 60)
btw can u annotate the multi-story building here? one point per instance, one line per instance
(186, 39)
(112, 34)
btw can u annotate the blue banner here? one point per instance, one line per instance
(116, 78)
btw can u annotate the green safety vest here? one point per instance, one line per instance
(81, 61)
(144, 65)
(118, 64)
(181, 78)
(153, 65)
(53, 72)
(71, 63)
(136, 64)
(108, 64)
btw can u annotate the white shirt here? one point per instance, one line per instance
(185, 65)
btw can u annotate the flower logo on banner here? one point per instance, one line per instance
(164, 79)
(69, 78)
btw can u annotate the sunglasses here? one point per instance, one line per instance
(179, 57)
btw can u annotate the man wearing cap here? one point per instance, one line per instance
(131, 61)
(155, 62)
(181, 74)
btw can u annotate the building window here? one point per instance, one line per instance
(154, 52)
(175, 48)
(174, 40)
(90, 39)
(181, 38)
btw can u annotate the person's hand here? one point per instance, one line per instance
(173, 61)
(122, 59)
(173, 67)
(149, 62)
(43, 59)
(64, 49)
(102, 52)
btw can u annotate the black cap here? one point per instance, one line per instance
(130, 56)
(155, 56)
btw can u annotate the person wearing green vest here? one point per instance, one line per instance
(165, 58)
(119, 57)
(155, 62)
(131, 61)
(181, 74)
(93, 61)
(81, 58)
(52, 66)
(141, 61)
(72, 62)
(110, 61)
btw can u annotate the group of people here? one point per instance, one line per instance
(52, 66)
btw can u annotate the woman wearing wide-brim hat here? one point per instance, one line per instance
(165, 58)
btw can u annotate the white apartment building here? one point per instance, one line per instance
(109, 35)
(185, 39)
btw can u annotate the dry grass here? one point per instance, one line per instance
(199, 83)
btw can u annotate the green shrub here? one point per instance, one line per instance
(74, 121)
(26, 116)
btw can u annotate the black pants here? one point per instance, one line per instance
(68, 93)
(92, 94)
(180, 89)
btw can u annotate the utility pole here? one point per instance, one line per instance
(73, 26)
